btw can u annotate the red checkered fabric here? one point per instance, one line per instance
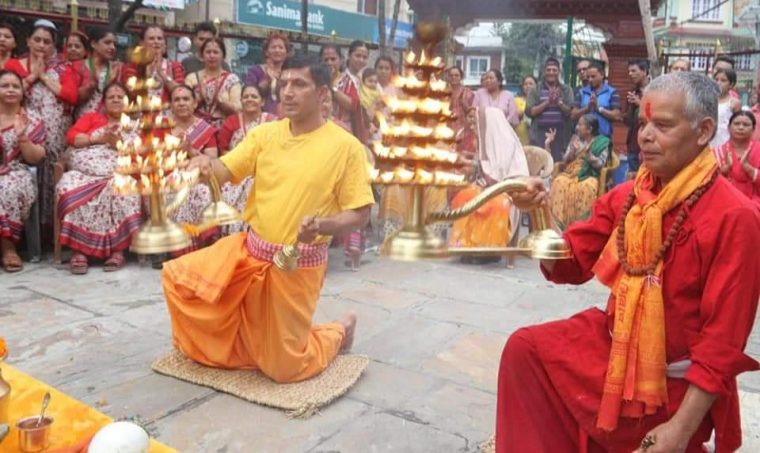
(312, 255)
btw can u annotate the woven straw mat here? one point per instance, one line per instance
(299, 399)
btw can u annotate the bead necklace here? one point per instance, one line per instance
(648, 270)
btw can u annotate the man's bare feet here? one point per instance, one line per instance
(349, 323)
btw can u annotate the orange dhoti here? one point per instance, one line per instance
(230, 307)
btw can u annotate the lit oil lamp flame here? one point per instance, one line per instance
(410, 57)
(155, 103)
(431, 106)
(403, 175)
(423, 176)
(443, 132)
(438, 86)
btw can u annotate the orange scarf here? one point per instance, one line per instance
(635, 383)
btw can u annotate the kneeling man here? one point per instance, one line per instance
(230, 306)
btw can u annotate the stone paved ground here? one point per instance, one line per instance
(434, 332)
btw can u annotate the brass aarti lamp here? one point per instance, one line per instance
(416, 151)
(153, 164)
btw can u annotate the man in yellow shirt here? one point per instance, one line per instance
(230, 306)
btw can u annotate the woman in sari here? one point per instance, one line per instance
(739, 157)
(529, 83)
(265, 76)
(98, 71)
(233, 131)
(7, 43)
(330, 56)
(574, 190)
(348, 105)
(21, 138)
(493, 94)
(499, 156)
(217, 90)
(462, 98)
(76, 45)
(198, 137)
(51, 92)
(166, 74)
(96, 222)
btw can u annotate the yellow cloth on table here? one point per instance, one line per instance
(320, 173)
(73, 422)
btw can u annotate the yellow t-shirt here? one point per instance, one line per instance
(320, 173)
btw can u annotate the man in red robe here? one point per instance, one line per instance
(656, 371)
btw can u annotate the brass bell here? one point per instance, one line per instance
(286, 258)
(218, 212)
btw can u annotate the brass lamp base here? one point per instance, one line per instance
(220, 213)
(412, 244)
(546, 245)
(164, 238)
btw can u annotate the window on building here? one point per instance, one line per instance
(698, 62)
(743, 62)
(459, 63)
(706, 9)
(477, 66)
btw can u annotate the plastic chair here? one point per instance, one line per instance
(605, 175)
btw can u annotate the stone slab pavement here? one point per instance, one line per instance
(434, 332)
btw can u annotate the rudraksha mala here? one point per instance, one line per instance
(648, 269)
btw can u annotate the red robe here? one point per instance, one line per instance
(551, 375)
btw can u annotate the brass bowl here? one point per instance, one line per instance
(32, 438)
(141, 56)
(430, 32)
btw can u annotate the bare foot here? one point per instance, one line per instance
(349, 323)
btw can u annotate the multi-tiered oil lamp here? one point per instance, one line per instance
(416, 151)
(153, 164)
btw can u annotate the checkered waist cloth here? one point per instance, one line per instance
(312, 255)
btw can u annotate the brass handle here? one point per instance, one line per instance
(510, 185)
(181, 195)
(216, 191)
(178, 199)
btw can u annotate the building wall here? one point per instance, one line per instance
(470, 60)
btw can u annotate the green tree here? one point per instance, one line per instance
(527, 46)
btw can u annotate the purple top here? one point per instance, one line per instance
(505, 102)
(258, 76)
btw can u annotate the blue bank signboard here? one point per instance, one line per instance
(322, 20)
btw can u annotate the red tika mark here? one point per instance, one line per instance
(648, 110)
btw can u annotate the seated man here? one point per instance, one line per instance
(229, 306)
(677, 246)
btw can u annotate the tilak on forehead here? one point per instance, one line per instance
(648, 110)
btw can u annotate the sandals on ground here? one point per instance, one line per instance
(114, 263)
(12, 262)
(78, 264)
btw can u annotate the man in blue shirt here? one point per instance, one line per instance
(598, 98)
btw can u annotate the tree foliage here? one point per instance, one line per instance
(117, 18)
(527, 45)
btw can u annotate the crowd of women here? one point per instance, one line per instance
(60, 113)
